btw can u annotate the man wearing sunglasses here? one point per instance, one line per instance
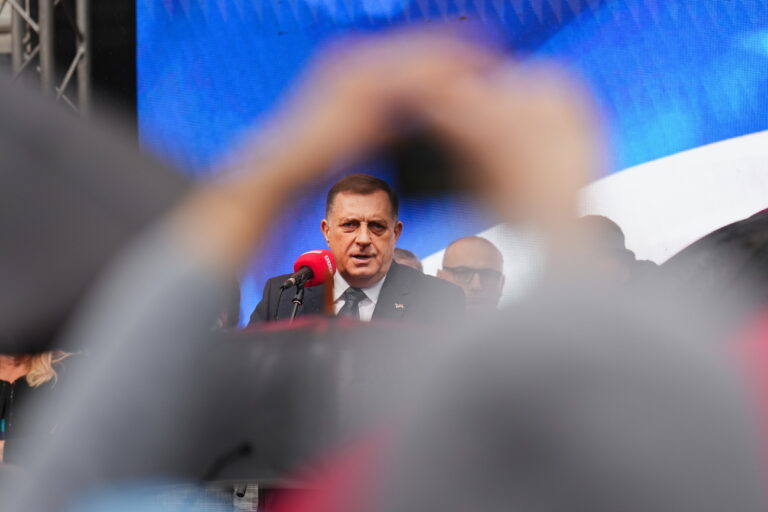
(476, 265)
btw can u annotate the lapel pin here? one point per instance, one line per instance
(399, 306)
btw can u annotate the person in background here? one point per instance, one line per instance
(476, 265)
(610, 251)
(407, 258)
(23, 377)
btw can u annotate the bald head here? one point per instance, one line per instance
(407, 258)
(473, 251)
(476, 265)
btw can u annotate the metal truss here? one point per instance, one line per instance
(33, 41)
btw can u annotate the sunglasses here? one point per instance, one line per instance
(464, 275)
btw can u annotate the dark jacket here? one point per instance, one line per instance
(406, 295)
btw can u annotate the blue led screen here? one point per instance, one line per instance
(669, 75)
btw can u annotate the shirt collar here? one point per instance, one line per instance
(340, 285)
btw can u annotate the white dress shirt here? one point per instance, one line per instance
(367, 305)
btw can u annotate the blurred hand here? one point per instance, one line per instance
(529, 136)
(345, 104)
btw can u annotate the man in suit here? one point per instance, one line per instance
(361, 228)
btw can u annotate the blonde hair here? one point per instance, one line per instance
(41, 368)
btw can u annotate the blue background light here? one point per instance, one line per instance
(669, 75)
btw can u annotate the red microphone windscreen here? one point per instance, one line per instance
(320, 261)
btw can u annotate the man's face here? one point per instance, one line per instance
(361, 234)
(476, 267)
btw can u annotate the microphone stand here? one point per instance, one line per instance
(297, 301)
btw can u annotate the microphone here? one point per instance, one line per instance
(310, 269)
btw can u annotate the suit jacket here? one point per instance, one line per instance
(406, 295)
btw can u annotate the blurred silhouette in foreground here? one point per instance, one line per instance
(72, 197)
(584, 398)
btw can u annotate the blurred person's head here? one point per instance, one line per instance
(407, 258)
(610, 254)
(476, 265)
(361, 228)
(85, 184)
(42, 367)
